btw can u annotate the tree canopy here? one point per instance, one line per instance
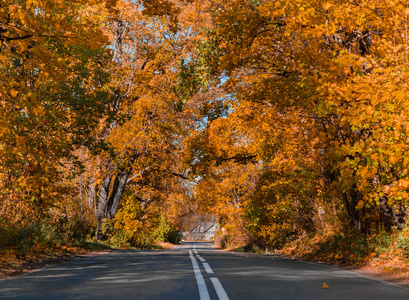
(278, 117)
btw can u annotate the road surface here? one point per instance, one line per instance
(195, 271)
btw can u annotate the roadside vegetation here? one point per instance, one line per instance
(382, 253)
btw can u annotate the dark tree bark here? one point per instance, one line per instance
(102, 202)
(390, 215)
(111, 198)
(91, 193)
(118, 195)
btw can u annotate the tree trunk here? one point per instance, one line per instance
(108, 203)
(91, 192)
(118, 194)
(111, 198)
(102, 203)
(390, 215)
(352, 213)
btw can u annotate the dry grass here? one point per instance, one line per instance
(165, 245)
(383, 255)
(11, 265)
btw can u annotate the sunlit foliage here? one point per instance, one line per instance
(281, 118)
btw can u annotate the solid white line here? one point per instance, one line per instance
(221, 293)
(203, 292)
(207, 268)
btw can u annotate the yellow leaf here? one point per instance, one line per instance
(360, 204)
(14, 93)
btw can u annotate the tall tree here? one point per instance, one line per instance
(324, 65)
(51, 87)
(145, 130)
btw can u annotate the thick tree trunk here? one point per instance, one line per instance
(111, 198)
(354, 215)
(118, 195)
(390, 215)
(91, 193)
(108, 203)
(102, 203)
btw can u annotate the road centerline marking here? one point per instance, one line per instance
(221, 293)
(200, 258)
(207, 268)
(201, 284)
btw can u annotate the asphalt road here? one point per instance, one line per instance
(194, 271)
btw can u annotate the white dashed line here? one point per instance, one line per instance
(207, 268)
(203, 292)
(200, 258)
(221, 293)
